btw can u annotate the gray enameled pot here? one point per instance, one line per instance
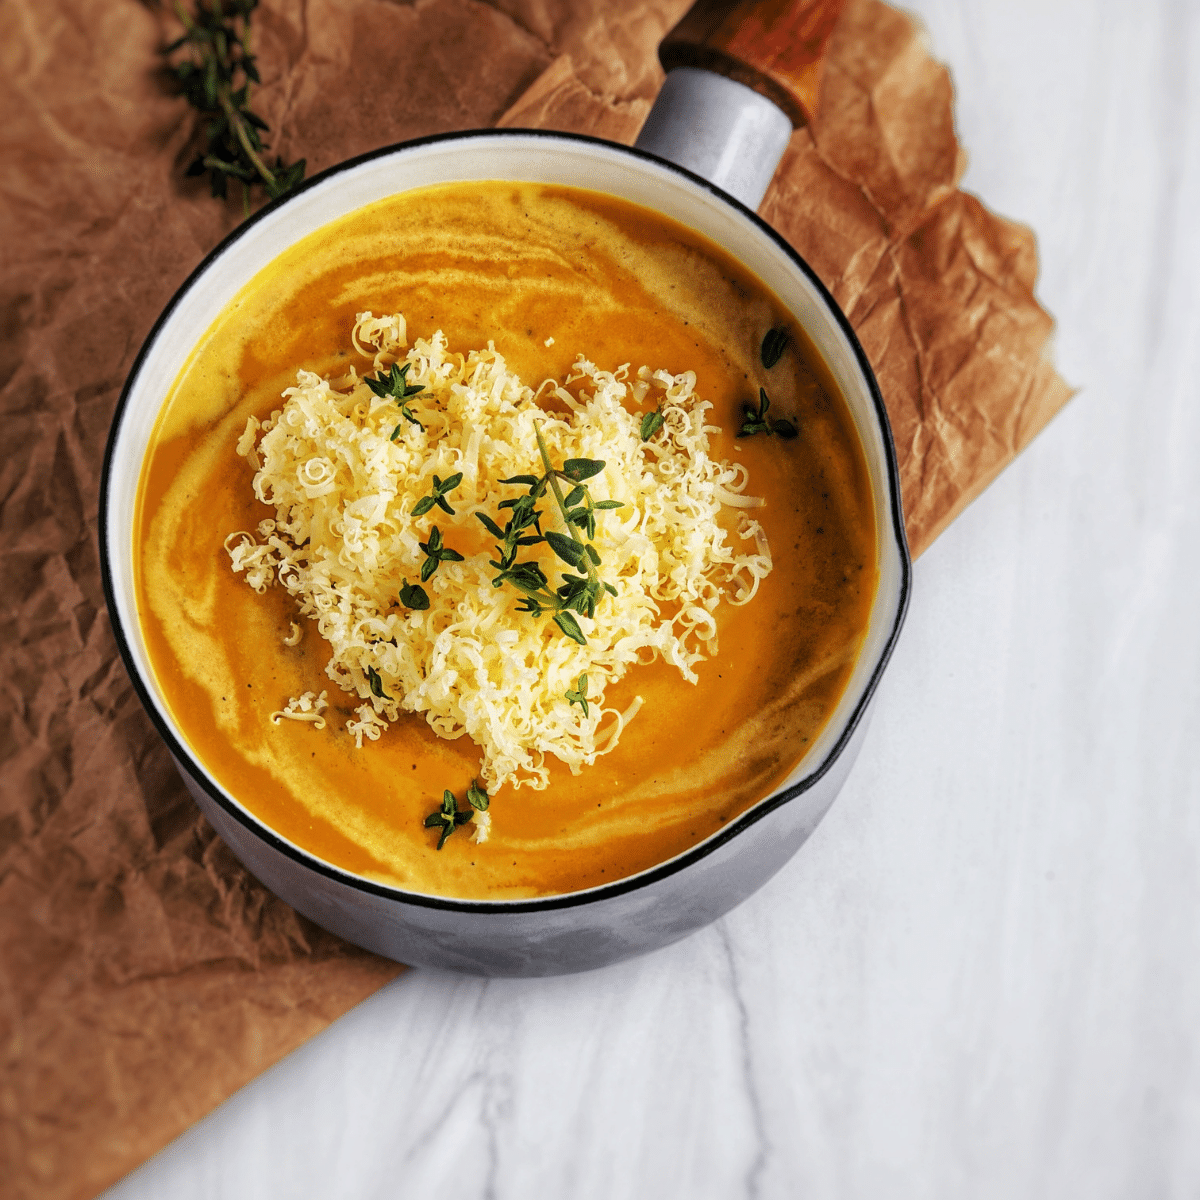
(591, 928)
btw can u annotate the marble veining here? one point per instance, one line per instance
(749, 1077)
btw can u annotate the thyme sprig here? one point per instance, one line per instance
(438, 495)
(394, 385)
(216, 79)
(652, 422)
(449, 816)
(413, 595)
(579, 593)
(578, 694)
(376, 684)
(755, 421)
(773, 346)
(436, 553)
(477, 797)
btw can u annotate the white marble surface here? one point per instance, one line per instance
(981, 977)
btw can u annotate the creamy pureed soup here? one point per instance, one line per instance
(547, 274)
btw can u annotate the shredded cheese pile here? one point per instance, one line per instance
(344, 541)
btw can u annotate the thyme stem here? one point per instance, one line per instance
(238, 125)
(216, 78)
(593, 578)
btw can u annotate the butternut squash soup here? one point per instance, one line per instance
(502, 540)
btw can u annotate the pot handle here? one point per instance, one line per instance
(740, 76)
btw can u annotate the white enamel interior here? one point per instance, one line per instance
(535, 158)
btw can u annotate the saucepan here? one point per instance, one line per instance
(740, 77)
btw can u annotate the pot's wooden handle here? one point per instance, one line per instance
(776, 47)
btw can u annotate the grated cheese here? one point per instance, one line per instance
(343, 542)
(483, 826)
(307, 707)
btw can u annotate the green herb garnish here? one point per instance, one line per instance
(773, 346)
(436, 553)
(413, 595)
(216, 80)
(579, 593)
(376, 684)
(449, 817)
(394, 385)
(755, 421)
(477, 797)
(652, 422)
(438, 495)
(578, 694)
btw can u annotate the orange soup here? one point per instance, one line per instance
(547, 274)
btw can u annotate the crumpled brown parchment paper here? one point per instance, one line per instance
(143, 975)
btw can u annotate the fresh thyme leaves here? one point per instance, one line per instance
(568, 549)
(436, 553)
(773, 346)
(216, 79)
(438, 495)
(394, 385)
(574, 469)
(578, 694)
(376, 684)
(580, 509)
(579, 593)
(755, 421)
(449, 816)
(567, 623)
(413, 595)
(652, 422)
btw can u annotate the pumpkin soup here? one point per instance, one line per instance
(565, 285)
